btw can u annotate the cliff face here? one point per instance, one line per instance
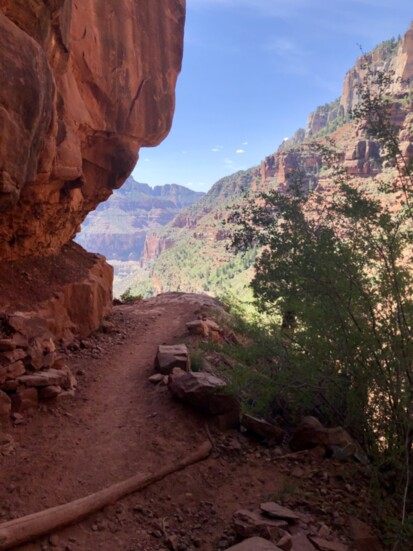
(118, 227)
(85, 84)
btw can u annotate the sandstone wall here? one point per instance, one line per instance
(84, 84)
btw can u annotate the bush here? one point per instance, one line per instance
(128, 296)
(337, 266)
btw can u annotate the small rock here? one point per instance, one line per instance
(252, 523)
(51, 377)
(170, 356)
(274, 510)
(155, 379)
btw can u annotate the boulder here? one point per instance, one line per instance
(310, 433)
(261, 428)
(170, 356)
(204, 392)
(5, 406)
(254, 544)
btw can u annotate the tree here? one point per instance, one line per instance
(341, 263)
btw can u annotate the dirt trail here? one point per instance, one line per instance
(118, 425)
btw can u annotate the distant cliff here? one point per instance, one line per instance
(118, 227)
(190, 253)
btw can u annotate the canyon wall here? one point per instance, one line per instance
(84, 84)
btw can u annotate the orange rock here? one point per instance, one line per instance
(88, 85)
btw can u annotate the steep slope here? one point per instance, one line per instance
(190, 252)
(118, 227)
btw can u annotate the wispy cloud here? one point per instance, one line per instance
(271, 8)
(290, 57)
(217, 148)
(229, 163)
(240, 151)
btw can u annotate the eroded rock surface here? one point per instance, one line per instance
(85, 84)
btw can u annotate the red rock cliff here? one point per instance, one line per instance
(84, 84)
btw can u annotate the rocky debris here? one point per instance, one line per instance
(52, 377)
(170, 356)
(310, 433)
(207, 394)
(274, 510)
(270, 433)
(253, 523)
(254, 544)
(30, 369)
(204, 327)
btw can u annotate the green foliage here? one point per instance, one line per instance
(338, 265)
(129, 296)
(197, 360)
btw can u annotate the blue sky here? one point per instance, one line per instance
(252, 72)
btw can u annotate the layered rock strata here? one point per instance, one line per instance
(85, 84)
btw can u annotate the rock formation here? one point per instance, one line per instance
(119, 226)
(84, 84)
